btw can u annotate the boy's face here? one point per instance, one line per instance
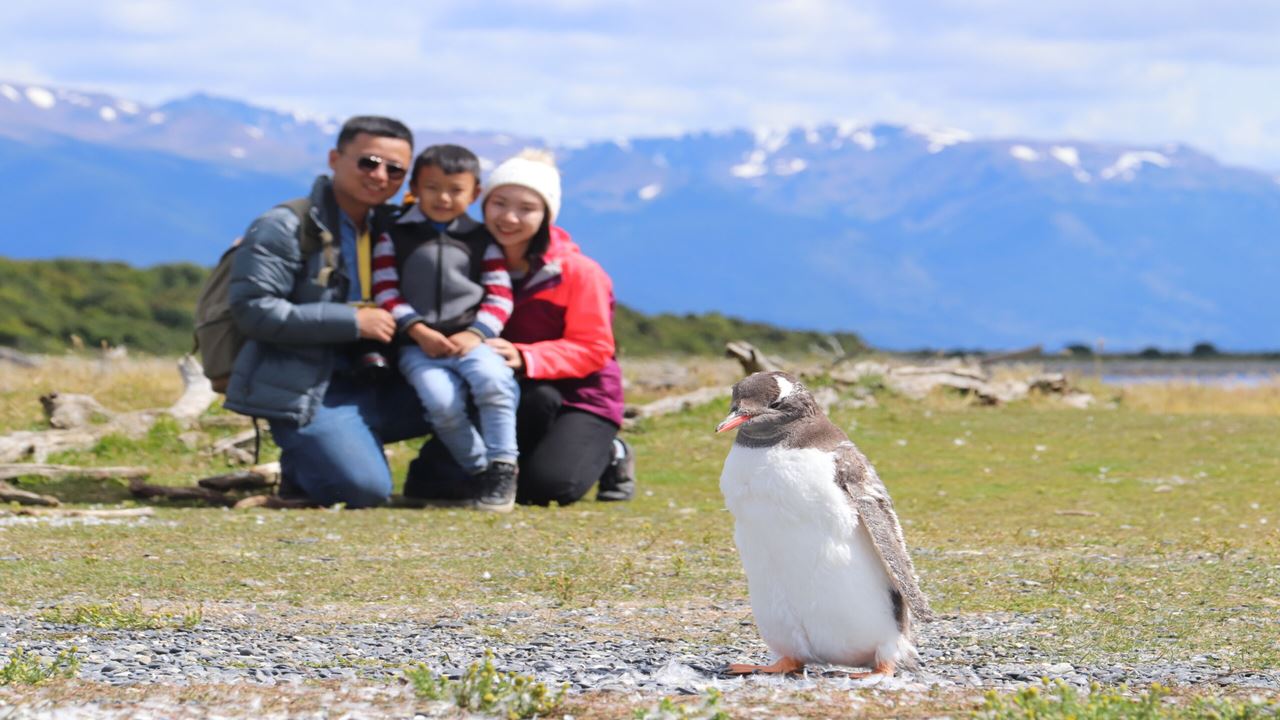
(444, 197)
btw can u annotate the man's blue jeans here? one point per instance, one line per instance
(337, 457)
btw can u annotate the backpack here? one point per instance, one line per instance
(216, 335)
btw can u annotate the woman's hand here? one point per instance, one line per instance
(508, 353)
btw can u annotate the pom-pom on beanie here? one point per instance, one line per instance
(533, 169)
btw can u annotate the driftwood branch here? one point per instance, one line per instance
(62, 472)
(237, 481)
(9, 493)
(140, 489)
(82, 512)
(79, 421)
(20, 359)
(751, 359)
(677, 403)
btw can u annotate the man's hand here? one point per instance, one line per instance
(376, 324)
(508, 352)
(432, 343)
(466, 341)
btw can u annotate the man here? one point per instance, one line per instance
(299, 291)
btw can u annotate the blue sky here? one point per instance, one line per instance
(1138, 72)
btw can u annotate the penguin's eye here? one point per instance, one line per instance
(775, 404)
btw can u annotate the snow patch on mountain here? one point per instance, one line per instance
(1070, 157)
(1066, 155)
(40, 97)
(128, 107)
(76, 99)
(108, 114)
(771, 139)
(940, 139)
(649, 192)
(789, 167)
(752, 168)
(1024, 153)
(855, 132)
(10, 92)
(1126, 166)
(256, 133)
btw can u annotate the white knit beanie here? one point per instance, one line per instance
(533, 169)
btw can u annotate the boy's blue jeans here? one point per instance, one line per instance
(443, 384)
(337, 457)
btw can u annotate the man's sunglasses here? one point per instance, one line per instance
(369, 163)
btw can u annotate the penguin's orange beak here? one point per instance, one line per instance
(734, 419)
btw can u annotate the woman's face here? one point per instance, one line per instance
(513, 214)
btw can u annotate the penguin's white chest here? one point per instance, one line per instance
(819, 591)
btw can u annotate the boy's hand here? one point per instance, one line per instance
(432, 343)
(465, 340)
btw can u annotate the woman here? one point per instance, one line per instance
(559, 342)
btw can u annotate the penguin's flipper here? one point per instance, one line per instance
(870, 499)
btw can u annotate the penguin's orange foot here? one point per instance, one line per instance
(884, 668)
(783, 665)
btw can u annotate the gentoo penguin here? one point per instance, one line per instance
(827, 567)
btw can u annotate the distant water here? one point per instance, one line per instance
(1225, 372)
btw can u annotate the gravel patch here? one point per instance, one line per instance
(591, 649)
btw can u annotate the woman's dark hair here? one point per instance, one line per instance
(451, 159)
(375, 125)
(541, 239)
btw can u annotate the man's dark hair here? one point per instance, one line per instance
(451, 159)
(373, 125)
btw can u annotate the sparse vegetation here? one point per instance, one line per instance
(708, 709)
(27, 668)
(483, 688)
(1060, 701)
(115, 617)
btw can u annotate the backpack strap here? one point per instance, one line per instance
(312, 237)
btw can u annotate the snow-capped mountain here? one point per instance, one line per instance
(913, 236)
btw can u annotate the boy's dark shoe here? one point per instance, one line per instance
(499, 487)
(618, 483)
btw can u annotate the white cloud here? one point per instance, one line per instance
(573, 69)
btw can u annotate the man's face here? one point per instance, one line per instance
(369, 170)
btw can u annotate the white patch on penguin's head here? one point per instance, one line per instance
(785, 386)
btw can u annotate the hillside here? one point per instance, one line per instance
(151, 310)
(916, 236)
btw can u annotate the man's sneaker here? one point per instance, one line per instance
(618, 482)
(498, 493)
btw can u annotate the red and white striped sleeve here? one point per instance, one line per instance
(386, 283)
(495, 307)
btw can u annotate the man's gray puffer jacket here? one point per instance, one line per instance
(294, 326)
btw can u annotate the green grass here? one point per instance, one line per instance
(1060, 701)
(1136, 536)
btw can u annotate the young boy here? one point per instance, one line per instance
(445, 280)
